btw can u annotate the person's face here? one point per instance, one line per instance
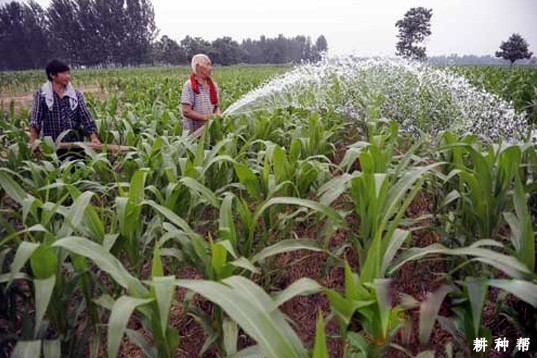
(62, 78)
(205, 68)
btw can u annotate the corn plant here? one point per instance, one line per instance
(315, 137)
(222, 262)
(468, 296)
(129, 214)
(153, 304)
(56, 282)
(522, 235)
(380, 205)
(214, 255)
(368, 320)
(468, 299)
(219, 259)
(257, 313)
(485, 180)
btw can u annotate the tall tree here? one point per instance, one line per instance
(296, 50)
(321, 45)
(515, 48)
(64, 29)
(90, 49)
(113, 22)
(168, 51)
(140, 31)
(413, 29)
(107, 32)
(226, 51)
(195, 45)
(23, 38)
(282, 49)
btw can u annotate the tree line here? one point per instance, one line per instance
(105, 33)
(226, 51)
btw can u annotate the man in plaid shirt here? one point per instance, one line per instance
(59, 110)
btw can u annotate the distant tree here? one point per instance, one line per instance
(140, 31)
(168, 51)
(515, 48)
(308, 49)
(250, 48)
(90, 47)
(107, 32)
(413, 29)
(23, 38)
(296, 48)
(226, 51)
(282, 49)
(65, 30)
(278, 49)
(195, 45)
(321, 45)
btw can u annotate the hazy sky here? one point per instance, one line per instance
(360, 27)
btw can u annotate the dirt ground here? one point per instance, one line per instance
(24, 100)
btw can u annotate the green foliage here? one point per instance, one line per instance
(255, 311)
(368, 320)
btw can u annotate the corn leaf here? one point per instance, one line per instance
(75, 214)
(301, 287)
(27, 349)
(525, 290)
(44, 262)
(52, 348)
(230, 330)
(320, 350)
(477, 293)
(429, 312)
(164, 287)
(24, 251)
(12, 188)
(43, 294)
(104, 260)
(314, 205)
(253, 310)
(141, 342)
(286, 246)
(119, 317)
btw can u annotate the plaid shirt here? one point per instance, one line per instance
(61, 117)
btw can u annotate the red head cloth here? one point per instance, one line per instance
(212, 88)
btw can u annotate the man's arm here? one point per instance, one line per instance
(36, 119)
(188, 99)
(190, 113)
(34, 134)
(86, 120)
(217, 106)
(95, 139)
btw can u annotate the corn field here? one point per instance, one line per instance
(280, 232)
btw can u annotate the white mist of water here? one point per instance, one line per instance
(420, 97)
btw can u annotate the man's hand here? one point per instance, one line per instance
(34, 147)
(34, 134)
(214, 116)
(94, 139)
